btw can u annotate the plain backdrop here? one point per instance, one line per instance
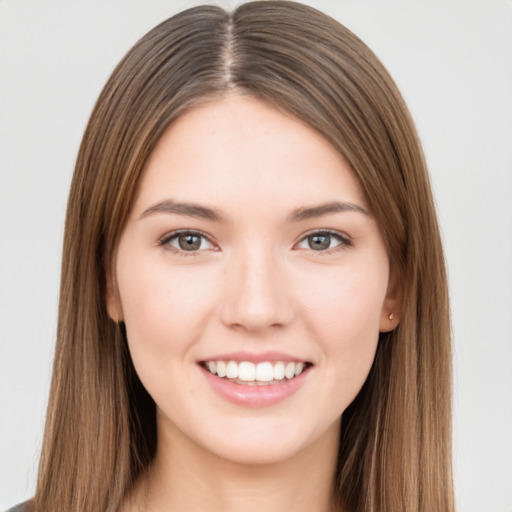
(453, 62)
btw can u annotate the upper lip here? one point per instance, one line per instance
(255, 357)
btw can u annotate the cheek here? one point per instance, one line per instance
(343, 309)
(346, 299)
(165, 309)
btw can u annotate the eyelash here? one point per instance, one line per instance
(344, 241)
(166, 239)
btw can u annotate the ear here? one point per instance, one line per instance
(392, 306)
(114, 309)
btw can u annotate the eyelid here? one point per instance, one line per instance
(343, 238)
(164, 241)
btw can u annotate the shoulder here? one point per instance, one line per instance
(22, 507)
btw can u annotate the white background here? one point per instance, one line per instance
(453, 63)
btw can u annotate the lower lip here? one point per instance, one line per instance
(254, 396)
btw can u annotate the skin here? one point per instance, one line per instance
(255, 284)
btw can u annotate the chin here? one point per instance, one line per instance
(258, 453)
(267, 442)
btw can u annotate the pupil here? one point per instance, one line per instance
(189, 242)
(319, 242)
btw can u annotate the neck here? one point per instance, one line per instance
(185, 477)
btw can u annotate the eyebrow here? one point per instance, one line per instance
(325, 209)
(188, 209)
(204, 212)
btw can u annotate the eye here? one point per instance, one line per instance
(323, 241)
(187, 241)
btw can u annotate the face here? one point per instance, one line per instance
(253, 282)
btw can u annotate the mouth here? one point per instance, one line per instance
(266, 373)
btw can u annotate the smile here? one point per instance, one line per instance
(255, 374)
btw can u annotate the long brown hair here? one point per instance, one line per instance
(395, 449)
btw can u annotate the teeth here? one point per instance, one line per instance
(298, 369)
(255, 373)
(246, 371)
(264, 372)
(289, 371)
(221, 369)
(279, 371)
(232, 370)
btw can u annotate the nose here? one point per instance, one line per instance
(257, 296)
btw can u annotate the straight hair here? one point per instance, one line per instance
(100, 432)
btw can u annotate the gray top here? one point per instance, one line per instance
(22, 507)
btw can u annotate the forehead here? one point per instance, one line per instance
(239, 149)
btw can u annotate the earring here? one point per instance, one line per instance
(390, 316)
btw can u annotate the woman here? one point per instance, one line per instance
(253, 305)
